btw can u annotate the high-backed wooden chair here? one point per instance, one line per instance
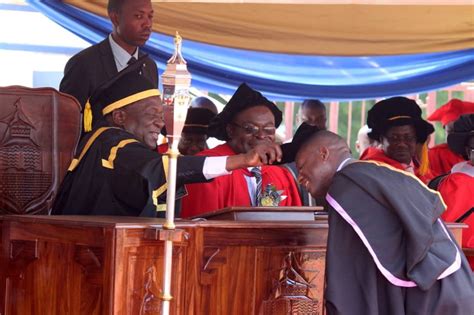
(39, 131)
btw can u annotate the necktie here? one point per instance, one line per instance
(257, 173)
(131, 60)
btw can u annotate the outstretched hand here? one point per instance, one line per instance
(260, 155)
(263, 154)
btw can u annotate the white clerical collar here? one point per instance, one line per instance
(121, 56)
(343, 163)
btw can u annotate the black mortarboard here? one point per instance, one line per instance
(126, 87)
(397, 111)
(463, 128)
(243, 98)
(197, 120)
(302, 134)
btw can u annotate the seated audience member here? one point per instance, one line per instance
(364, 143)
(313, 112)
(204, 102)
(441, 157)
(248, 119)
(197, 133)
(117, 170)
(397, 125)
(388, 252)
(457, 188)
(194, 134)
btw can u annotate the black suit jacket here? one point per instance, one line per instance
(91, 67)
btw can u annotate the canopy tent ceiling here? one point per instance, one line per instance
(343, 28)
(284, 76)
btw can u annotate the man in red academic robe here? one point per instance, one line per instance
(457, 189)
(397, 125)
(441, 157)
(247, 120)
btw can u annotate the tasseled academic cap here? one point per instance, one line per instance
(126, 87)
(397, 111)
(400, 111)
(463, 128)
(243, 98)
(451, 111)
(197, 120)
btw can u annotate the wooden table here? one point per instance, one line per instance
(113, 265)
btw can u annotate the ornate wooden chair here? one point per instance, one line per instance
(39, 131)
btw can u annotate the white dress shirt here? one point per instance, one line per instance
(252, 187)
(214, 166)
(121, 56)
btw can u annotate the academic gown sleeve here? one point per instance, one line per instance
(232, 191)
(118, 175)
(139, 167)
(442, 159)
(387, 250)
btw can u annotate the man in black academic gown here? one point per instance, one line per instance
(117, 170)
(388, 252)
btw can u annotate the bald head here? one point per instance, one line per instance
(318, 160)
(313, 112)
(204, 102)
(326, 139)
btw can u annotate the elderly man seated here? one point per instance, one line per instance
(117, 170)
(397, 125)
(248, 120)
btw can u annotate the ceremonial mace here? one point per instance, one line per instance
(176, 82)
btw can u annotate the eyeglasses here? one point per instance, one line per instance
(404, 139)
(254, 130)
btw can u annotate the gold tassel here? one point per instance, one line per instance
(424, 161)
(87, 117)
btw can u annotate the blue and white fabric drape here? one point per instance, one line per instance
(284, 76)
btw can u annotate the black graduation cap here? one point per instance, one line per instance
(463, 129)
(397, 111)
(302, 134)
(126, 87)
(243, 98)
(197, 120)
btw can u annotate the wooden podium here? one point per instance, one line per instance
(113, 265)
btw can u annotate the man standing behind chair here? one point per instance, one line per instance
(132, 26)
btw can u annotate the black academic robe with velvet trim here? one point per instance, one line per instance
(388, 251)
(118, 175)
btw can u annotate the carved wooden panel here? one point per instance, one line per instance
(91, 262)
(39, 130)
(143, 279)
(50, 269)
(297, 286)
